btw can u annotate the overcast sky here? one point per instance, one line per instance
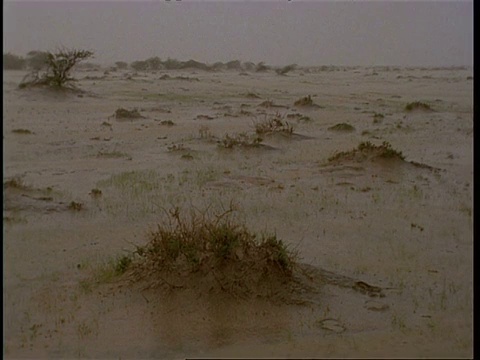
(278, 32)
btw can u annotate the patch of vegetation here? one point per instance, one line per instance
(122, 113)
(240, 140)
(369, 150)
(342, 127)
(285, 69)
(305, 101)
(261, 67)
(266, 103)
(377, 118)
(299, 117)
(205, 133)
(15, 183)
(417, 105)
(75, 206)
(214, 253)
(252, 95)
(59, 66)
(177, 148)
(167, 123)
(13, 62)
(96, 193)
(275, 124)
(112, 155)
(22, 131)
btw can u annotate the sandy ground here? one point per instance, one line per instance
(405, 228)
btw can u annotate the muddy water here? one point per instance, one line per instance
(405, 228)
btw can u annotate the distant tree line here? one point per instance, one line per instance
(37, 60)
(155, 63)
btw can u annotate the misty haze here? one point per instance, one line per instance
(276, 179)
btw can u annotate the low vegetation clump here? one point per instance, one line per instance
(22, 131)
(213, 253)
(367, 150)
(59, 66)
(273, 125)
(240, 140)
(377, 118)
(75, 206)
(305, 101)
(96, 193)
(252, 95)
(417, 105)
(285, 69)
(342, 127)
(15, 183)
(128, 114)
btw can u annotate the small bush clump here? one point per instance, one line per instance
(213, 252)
(240, 140)
(342, 127)
(417, 105)
(22, 131)
(127, 114)
(305, 101)
(273, 125)
(368, 150)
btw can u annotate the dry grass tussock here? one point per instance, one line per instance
(214, 253)
(274, 124)
(417, 105)
(367, 150)
(122, 113)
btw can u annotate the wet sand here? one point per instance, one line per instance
(405, 227)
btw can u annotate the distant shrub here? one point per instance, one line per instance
(285, 69)
(139, 65)
(305, 101)
(273, 125)
(342, 127)
(240, 140)
(261, 67)
(369, 150)
(417, 105)
(13, 62)
(121, 65)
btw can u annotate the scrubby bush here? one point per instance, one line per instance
(58, 68)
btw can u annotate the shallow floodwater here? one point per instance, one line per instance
(399, 225)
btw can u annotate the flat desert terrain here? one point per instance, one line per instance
(83, 187)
